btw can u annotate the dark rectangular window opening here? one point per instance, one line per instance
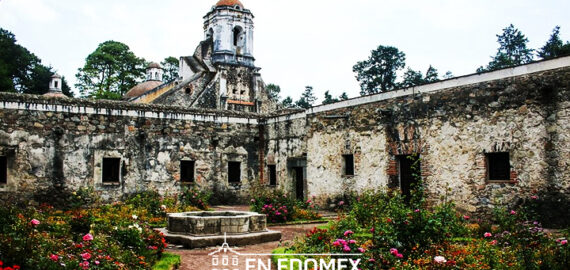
(348, 165)
(234, 172)
(187, 171)
(272, 175)
(498, 166)
(3, 170)
(111, 170)
(409, 172)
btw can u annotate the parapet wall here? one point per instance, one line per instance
(61, 143)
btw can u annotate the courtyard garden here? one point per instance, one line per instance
(393, 232)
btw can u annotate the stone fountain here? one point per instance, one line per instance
(205, 228)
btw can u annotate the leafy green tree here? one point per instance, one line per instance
(307, 98)
(170, 66)
(448, 75)
(110, 71)
(274, 92)
(287, 103)
(343, 96)
(412, 78)
(431, 75)
(16, 64)
(329, 99)
(21, 71)
(378, 73)
(512, 51)
(554, 47)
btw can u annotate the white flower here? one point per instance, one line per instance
(136, 226)
(439, 259)
(163, 207)
(135, 217)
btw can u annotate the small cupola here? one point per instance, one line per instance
(55, 86)
(154, 72)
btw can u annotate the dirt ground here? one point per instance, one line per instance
(199, 259)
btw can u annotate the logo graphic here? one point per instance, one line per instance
(225, 258)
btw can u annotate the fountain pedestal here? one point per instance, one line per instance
(204, 229)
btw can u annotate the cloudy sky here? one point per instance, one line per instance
(297, 42)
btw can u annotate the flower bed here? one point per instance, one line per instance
(112, 236)
(394, 234)
(279, 207)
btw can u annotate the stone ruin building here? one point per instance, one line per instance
(484, 139)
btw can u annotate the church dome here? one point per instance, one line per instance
(230, 3)
(142, 88)
(153, 65)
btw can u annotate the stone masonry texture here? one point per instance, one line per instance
(60, 143)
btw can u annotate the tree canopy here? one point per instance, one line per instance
(554, 47)
(287, 103)
(307, 98)
(412, 78)
(274, 92)
(512, 50)
(170, 66)
(329, 98)
(21, 71)
(378, 73)
(110, 71)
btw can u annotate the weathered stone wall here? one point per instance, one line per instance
(452, 125)
(61, 143)
(285, 146)
(451, 129)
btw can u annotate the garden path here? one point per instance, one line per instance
(198, 259)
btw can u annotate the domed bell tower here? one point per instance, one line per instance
(230, 26)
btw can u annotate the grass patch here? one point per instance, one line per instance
(283, 250)
(168, 261)
(324, 226)
(298, 222)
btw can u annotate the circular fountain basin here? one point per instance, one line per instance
(205, 223)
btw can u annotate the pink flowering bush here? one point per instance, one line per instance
(279, 207)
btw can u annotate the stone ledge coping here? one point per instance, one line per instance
(11, 101)
(535, 67)
(197, 214)
(120, 108)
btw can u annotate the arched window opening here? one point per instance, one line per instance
(210, 33)
(238, 33)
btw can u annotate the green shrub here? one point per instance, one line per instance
(193, 196)
(149, 200)
(277, 205)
